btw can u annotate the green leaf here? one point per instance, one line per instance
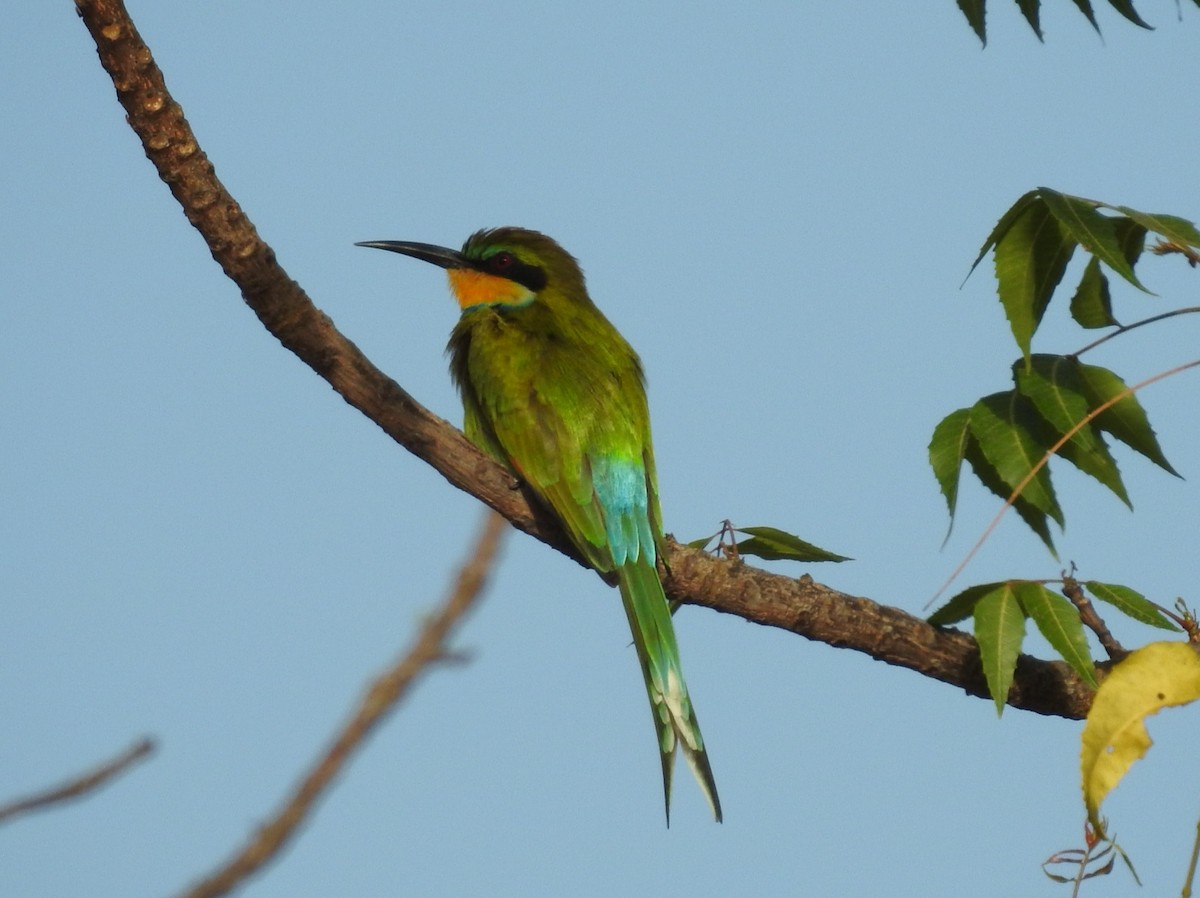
(1015, 211)
(1131, 236)
(1085, 7)
(947, 448)
(961, 606)
(1034, 519)
(1172, 227)
(1013, 438)
(1131, 603)
(1125, 8)
(1091, 306)
(1030, 10)
(1126, 419)
(999, 630)
(776, 545)
(1059, 622)
(1030, 260)
(1053, 384)
(1094, 232)
(973, 10)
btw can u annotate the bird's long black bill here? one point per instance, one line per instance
(427, 252)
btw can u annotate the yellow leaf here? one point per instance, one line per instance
(1157, 676)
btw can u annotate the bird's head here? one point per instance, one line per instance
(499, 267)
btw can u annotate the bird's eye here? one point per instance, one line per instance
(508, 265)
(502, 261)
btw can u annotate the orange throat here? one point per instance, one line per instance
(476, 288)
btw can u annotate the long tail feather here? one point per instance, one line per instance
(674, 719)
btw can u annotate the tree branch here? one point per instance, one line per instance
(80, 785)
(382, 696)
(804, 607)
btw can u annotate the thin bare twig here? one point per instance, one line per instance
(1124, 328)
(80, 785)
(1092, 619)
(381, 697)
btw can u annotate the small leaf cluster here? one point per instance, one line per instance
(769, 543)
(1001, 609)
(1058, 405)
(975, 12)
(1036, 238)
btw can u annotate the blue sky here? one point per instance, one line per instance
(777, 207)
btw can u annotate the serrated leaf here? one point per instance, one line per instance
(1015, 211)
(1131, 236)
(1131, 603)
(1099, 464)
(1174, 228)
(1012, 437)
(1091, 230)
(776, 545)
(1034, 519)
(999, 630)
(1125, 8)
(1091, 305)
(1058, 620)
(974, 11)
(1085, 7)
(1156, 676)
(1053, 385)
(1030, 260)
(947, 448)
(961, 606)
(1126, 419)
(1030, 9)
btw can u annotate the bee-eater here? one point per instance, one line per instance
(551, 390)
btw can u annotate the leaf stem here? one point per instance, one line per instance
(1091, 619)
(1122, 328)
(1191, 870)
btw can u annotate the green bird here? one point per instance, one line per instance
(551, 390)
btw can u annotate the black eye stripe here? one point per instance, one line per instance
(507, 265)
